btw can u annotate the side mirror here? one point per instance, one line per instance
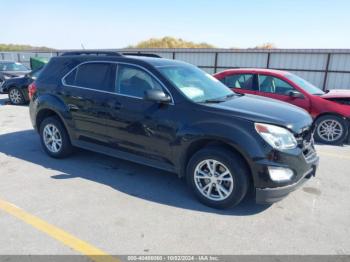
(157, 95)
(295, 94)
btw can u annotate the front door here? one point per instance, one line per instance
(276, 88)
(135, 125)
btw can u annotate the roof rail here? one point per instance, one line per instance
(142, 54)
(98, 53)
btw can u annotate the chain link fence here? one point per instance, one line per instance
(325, 68)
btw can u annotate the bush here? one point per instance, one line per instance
(170, 42)
(12, 47)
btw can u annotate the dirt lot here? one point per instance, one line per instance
(125, 208)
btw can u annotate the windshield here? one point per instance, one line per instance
(308, 87)
(195, 84)
(12, 66)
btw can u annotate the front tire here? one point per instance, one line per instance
(331, 130)
(54, 138)
(218, 177)
(16, 96)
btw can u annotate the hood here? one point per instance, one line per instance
(14, 73)
(337, 93)
(266, 110)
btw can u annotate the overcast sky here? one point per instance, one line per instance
(67, 24)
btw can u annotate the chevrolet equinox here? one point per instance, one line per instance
(173, 116)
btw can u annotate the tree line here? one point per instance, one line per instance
(165, 42)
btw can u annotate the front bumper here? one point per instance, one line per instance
(302, 160)
(272, 195)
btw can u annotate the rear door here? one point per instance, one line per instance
(243, 83)
(276, 88)
(85, 91)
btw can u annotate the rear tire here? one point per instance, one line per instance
(218, 177)
(331, 130)
(54, 138)
(16, 96)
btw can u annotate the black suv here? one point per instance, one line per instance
(173, 116)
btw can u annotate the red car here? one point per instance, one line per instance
(330, 110)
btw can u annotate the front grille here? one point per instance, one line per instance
(305, 141)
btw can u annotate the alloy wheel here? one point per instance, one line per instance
(15, 96)
(213, 180)
(330, 130)
(52, 138)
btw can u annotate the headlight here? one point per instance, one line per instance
(6, 77)
(277, 137)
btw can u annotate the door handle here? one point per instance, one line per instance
(117, 106)
(77, 97)
(114, 105)
(73, 107)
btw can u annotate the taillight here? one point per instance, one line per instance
(31, 90)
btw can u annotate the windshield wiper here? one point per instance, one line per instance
(230, 95)
(219, 99)
(216, 100)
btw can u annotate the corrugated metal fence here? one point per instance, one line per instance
(325, 68)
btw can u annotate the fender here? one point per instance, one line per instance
(243, 139)
(56, 105)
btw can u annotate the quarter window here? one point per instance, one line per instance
(99, 76)
(132, 81)
(244, 81)
(271, 84)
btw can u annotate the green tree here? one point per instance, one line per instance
(13, 47)
(266, 46)
(170, 42)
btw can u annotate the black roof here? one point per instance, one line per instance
(157, 62)
(90, 52)
(151, 59)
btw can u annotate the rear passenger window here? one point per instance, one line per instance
(99, 76)
(244, 81)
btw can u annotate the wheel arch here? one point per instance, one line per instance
(201, 143)
(329, 113)
(11, 86)
(49, 105)
(45, 113)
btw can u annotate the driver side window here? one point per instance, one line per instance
(134, 82)
(271, 84)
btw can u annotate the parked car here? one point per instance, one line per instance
(330, 110)
(17, 87)
(173, 116)
(10, 69)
